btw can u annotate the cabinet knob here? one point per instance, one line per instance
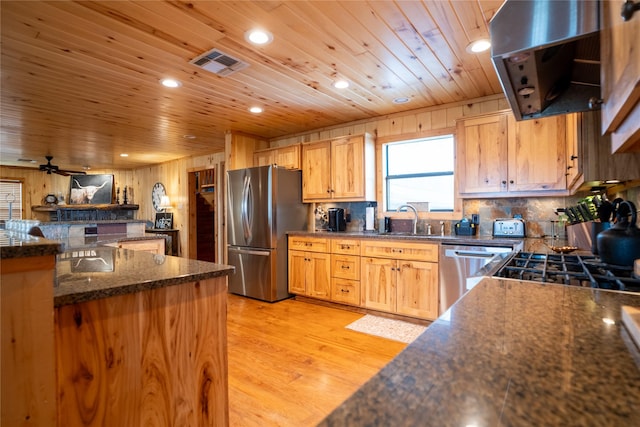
(628, 9)
(504, 182)
(511, 182)
(573, 157)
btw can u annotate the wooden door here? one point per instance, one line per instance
(482, 154)
(318, 275)
(620, 59)
(297, 272)
(347, 166)
(537, 155)
(378, 278)
(418, 289)
(316, 171)
(288, 157)
(202, 215)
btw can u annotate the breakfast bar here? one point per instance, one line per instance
(138, 338)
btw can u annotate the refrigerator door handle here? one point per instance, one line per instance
(246, 205)
(249, 251)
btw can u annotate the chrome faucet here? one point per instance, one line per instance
(415, 215)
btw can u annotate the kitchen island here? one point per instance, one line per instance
(511, 353)
(139, 338)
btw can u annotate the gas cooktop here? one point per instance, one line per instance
(569, 269)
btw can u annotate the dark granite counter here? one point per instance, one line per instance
(15, 244)
(511, 353)
(99, 272)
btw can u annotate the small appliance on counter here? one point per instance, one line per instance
(337, 221)
(466, 228)
(508, 227)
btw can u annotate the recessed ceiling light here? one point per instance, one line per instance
(341, 84)
(86, 167)
(124, 155)
(257, 36)
(189, 136)
(256, 110)
(401, 100)
(170, 83)
(478, 46)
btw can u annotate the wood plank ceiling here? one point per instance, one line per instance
(80, 80)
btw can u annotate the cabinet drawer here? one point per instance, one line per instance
(345, 266)
(345, 246)
(400, 250)
(309, 244)
(346, 291)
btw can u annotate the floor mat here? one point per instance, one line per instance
(393, 329)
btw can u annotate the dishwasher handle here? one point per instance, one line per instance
(457, 253)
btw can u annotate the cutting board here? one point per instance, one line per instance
(631, 319)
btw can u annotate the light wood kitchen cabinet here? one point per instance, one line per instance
(284, 157)
(309, 269)
(154, 246)
(339, 169)
(620, 77)
(345, 271)
(400, 277)
(499, 157)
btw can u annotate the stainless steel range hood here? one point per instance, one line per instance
(547, 55)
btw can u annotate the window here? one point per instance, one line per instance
(420, 170)
(10, 199)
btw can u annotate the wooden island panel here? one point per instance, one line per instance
(156, 357)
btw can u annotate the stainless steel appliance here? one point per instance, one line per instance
(508, 227)
(547, 56)
(565, 269)
(462, 266)
(264, 203)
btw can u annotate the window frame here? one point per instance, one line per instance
(18, 203)
(381, 142)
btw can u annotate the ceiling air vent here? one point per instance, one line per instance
(219, 63)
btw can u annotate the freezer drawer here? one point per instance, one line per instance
(256, 274)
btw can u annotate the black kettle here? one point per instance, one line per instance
(620, 244)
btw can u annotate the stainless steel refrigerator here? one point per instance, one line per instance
(263, 204)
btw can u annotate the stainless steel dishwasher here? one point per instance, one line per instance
(460, 269)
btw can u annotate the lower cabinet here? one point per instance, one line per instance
(155, 246)
(345, 271)
(400, 278)
(385, 275)
(309, 270)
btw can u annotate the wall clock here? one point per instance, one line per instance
(156, 195)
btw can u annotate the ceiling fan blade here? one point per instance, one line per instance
(67, 172)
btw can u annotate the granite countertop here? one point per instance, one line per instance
(511, 353)
(14, 244)
(84, 274)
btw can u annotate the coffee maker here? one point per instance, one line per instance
(337, 220)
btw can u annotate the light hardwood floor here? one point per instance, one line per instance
(291, 363)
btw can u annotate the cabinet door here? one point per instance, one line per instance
(378, 283)
(318, 275)
(297, 272)
(482, 154)
(620, 75)
(574, 151)
(263, 158)
(345, 291)
(288, 157)
(417, 284)
(347, 166)
(537, 155)
(316, 171)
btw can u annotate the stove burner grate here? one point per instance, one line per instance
(569, 269)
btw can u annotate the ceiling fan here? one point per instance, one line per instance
(49, 168)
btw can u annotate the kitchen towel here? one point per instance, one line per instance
(369, 218)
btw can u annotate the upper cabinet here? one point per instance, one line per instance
(499, 157)
(284, 157)
(340, 169)
(620, 77)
